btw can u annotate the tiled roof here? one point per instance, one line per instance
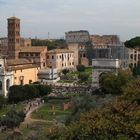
(60, 51)
(33, 49)
(14, 62)
(10, 68)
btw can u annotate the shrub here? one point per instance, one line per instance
(65, 71)
(19, 93)
(80, 68)
(83, 77)
(113, 84)
(2, 101)
(12, 119)
(43, 90)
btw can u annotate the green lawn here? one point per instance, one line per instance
(51, 111)
(38, 128)
(87, 71)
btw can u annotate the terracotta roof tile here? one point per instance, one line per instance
(60, 51)
(33, 49)
(14, 62)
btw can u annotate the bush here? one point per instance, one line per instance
(131, 91)
(65, 71)
(83, 77)
(136, 70)
(2, 101)
(116, 121)
(113, 84)
(12, 119)
(80, 68)
(43, 90)
(19, 93)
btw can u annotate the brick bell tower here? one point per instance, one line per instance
(13, 37)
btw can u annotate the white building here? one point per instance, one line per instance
(60, 59)
(6, 78)
(48, 75)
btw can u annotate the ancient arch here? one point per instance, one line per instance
(101, 66)
(7, 84)
(1, 85)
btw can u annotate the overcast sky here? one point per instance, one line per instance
(38, 17)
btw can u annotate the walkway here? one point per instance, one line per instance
(30, 108)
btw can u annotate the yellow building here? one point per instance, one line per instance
(24, 71)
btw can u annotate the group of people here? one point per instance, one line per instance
(32, 105)
(65, 90)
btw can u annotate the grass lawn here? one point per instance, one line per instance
(7, 108)
(88, 70)
(52, 111)
(39, 129)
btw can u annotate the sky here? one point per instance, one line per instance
(38, 17)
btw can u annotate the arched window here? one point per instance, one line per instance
(0, 85)
(7, 84)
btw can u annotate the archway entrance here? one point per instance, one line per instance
(7, 84)
(102, 66)
(0, 85)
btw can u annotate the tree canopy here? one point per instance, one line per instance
(65, 71)
(136, 70)
(83, 76)
(117, 121)
(132, 91)
(61, 43)
(12, 119)
(80, 68)
(133, 43)
(113, 84)
(19, 93)
(2, 101)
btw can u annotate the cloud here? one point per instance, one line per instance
(38, 17)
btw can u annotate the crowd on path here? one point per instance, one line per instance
(68, 89)
(32, 106)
